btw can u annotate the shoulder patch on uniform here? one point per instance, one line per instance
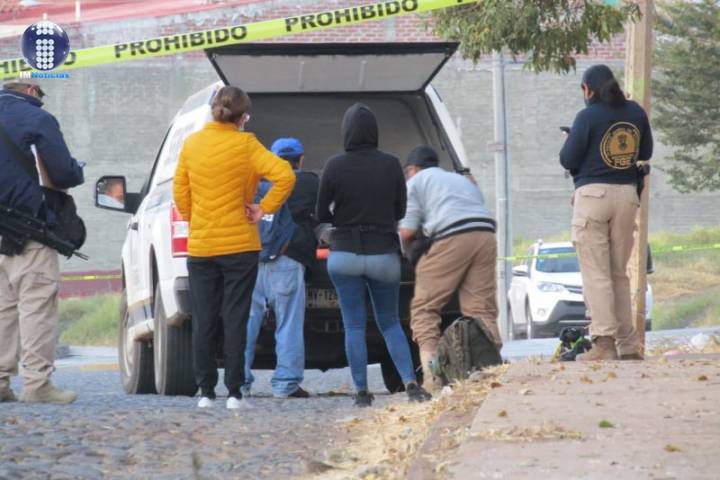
(620, 145)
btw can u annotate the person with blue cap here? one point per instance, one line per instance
(606, 152)
(288, 249)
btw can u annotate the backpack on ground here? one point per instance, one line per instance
(466, 345)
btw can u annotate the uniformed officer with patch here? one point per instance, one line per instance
(605, 143)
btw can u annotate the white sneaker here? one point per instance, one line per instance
(234, 403)
(206, 402)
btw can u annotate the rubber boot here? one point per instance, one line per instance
(6, 393)
(603, 349)
(48, 393)
(431, 382)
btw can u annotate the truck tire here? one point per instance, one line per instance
(173, 354)
(391, 377)
(134, 357)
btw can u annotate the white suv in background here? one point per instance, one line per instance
(546, 293)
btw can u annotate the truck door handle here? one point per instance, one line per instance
(134, 226)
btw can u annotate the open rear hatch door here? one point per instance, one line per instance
(330, 67)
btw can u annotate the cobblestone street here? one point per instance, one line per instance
(108, 434)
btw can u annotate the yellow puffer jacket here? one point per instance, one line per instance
(217, 175)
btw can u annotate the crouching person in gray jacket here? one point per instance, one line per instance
(451, 210)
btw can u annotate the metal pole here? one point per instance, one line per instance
(638, 65)
(502, 192)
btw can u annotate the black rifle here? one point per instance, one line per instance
(23, 227)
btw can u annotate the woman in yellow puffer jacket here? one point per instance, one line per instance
(215, 183)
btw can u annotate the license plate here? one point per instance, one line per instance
(322, 298)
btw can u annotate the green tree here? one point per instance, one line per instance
(550, 32)
(686, 82)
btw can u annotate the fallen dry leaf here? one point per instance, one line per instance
(702, 378)
(502, 413)
(546, 431)
(495, 385)
(586, 379)
(671, 448)
(612, 375)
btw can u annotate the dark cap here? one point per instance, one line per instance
(23, 83)
(597, 76)
(423, 157)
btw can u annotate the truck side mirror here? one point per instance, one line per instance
(521, 271)
(111, 194)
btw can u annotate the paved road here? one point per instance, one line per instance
(108, 434)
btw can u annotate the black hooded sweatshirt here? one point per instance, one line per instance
(366, 189)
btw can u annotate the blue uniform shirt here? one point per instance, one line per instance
(605, 144)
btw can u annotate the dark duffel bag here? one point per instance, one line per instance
(465, 346)
(68, 224)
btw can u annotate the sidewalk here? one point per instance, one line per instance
(661, 420)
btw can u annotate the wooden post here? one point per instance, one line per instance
(638, 65)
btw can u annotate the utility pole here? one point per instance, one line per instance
(502, 193)
(638, 66)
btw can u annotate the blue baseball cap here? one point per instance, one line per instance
(287, 147)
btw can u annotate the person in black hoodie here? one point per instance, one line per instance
(363, 194)
(602, 151)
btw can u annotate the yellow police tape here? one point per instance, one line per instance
(655, 252)
(232, 35)
(84, 278)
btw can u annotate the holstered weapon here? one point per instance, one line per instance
(19, 227)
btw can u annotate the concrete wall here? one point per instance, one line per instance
(114, 118)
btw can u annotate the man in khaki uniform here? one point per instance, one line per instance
(601, 152)
(451, 210)
(29, 271)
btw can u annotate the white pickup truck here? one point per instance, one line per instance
(299, 90)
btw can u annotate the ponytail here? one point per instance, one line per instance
(611, 94)
(230, 104)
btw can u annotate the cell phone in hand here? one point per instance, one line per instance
(565, 129)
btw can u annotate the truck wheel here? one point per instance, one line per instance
(173, 354)
(528, 322)
(135, 357)
(391, 377)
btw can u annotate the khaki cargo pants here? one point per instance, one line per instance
(602, 231)
(29, 314)
(463, 263)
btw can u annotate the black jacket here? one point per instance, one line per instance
(366, 188)
(26, 123)
(605, 143)
(302, 207)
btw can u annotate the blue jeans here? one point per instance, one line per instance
(281, 286)
(352, 276)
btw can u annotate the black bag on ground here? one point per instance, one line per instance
(465, 346)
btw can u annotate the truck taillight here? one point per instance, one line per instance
(179, 233)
